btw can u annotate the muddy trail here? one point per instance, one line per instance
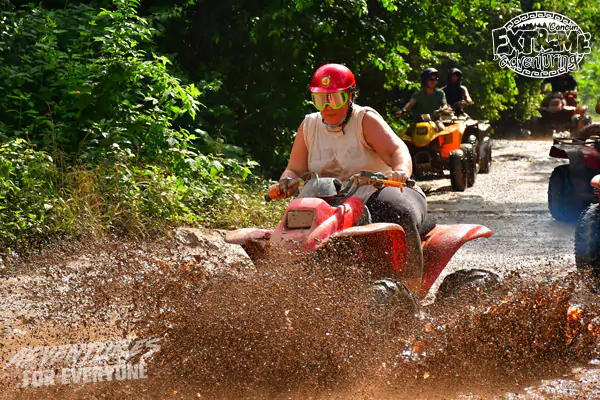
(190, 316)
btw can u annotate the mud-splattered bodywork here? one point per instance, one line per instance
(310, 223)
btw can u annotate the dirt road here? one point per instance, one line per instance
(512, 201)
(285, 335)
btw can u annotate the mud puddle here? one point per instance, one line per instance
(290, 331)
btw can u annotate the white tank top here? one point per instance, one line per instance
(341, 154)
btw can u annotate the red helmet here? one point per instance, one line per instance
(331, 78)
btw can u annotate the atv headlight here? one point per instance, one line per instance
(422, 130)
(300, 219)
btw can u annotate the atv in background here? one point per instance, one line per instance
(569, 190)
(587, 235)
(327, 216)
(561, 112)
(460, 145)
(477, 134)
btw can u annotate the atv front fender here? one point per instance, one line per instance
(254, 241)
(403, 134)
(484, 127)
(440, 244)
(385, 246)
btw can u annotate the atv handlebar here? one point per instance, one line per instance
(291, 186)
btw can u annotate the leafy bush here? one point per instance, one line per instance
(143, 199)
(106, 117)
(81, 84)
(27, 191)
(587, 80)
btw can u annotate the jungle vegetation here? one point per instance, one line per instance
(129, 116)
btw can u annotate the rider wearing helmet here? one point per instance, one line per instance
(341, 139)
(428, 99)
(455, 92)
(560, 83)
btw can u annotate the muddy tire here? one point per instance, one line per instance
(471, 159)
(587, 240)
(485, 156)
(418, 172)
(395, 297)
(458, 171)
(466, 284)
(562, 200)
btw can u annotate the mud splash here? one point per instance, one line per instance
(297, 330)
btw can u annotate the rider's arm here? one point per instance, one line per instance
(411, 103)
(443, 101)
(387, 145)
(466, 96)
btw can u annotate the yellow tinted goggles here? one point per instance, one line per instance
(335, 100)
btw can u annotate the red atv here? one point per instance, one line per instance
(561, 112)
(569, 190)
(325, 212)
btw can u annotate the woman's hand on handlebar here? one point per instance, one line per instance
(275, 192)
(286, 187)
(398, 176)
(400, 113)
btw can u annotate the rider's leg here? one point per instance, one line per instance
(406, 208)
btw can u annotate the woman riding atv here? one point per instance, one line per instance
(427, 100)
(456, 94)
(343, 138)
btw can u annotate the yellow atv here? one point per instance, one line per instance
(477, 133)
(438, 146)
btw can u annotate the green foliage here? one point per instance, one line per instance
(263, 54)
(148, 114)
(81, 85)
(143, 199)
(88, 90)
(245, 208)
(588, 82)
(27, 191)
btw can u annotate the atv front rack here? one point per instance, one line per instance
(593, 142)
